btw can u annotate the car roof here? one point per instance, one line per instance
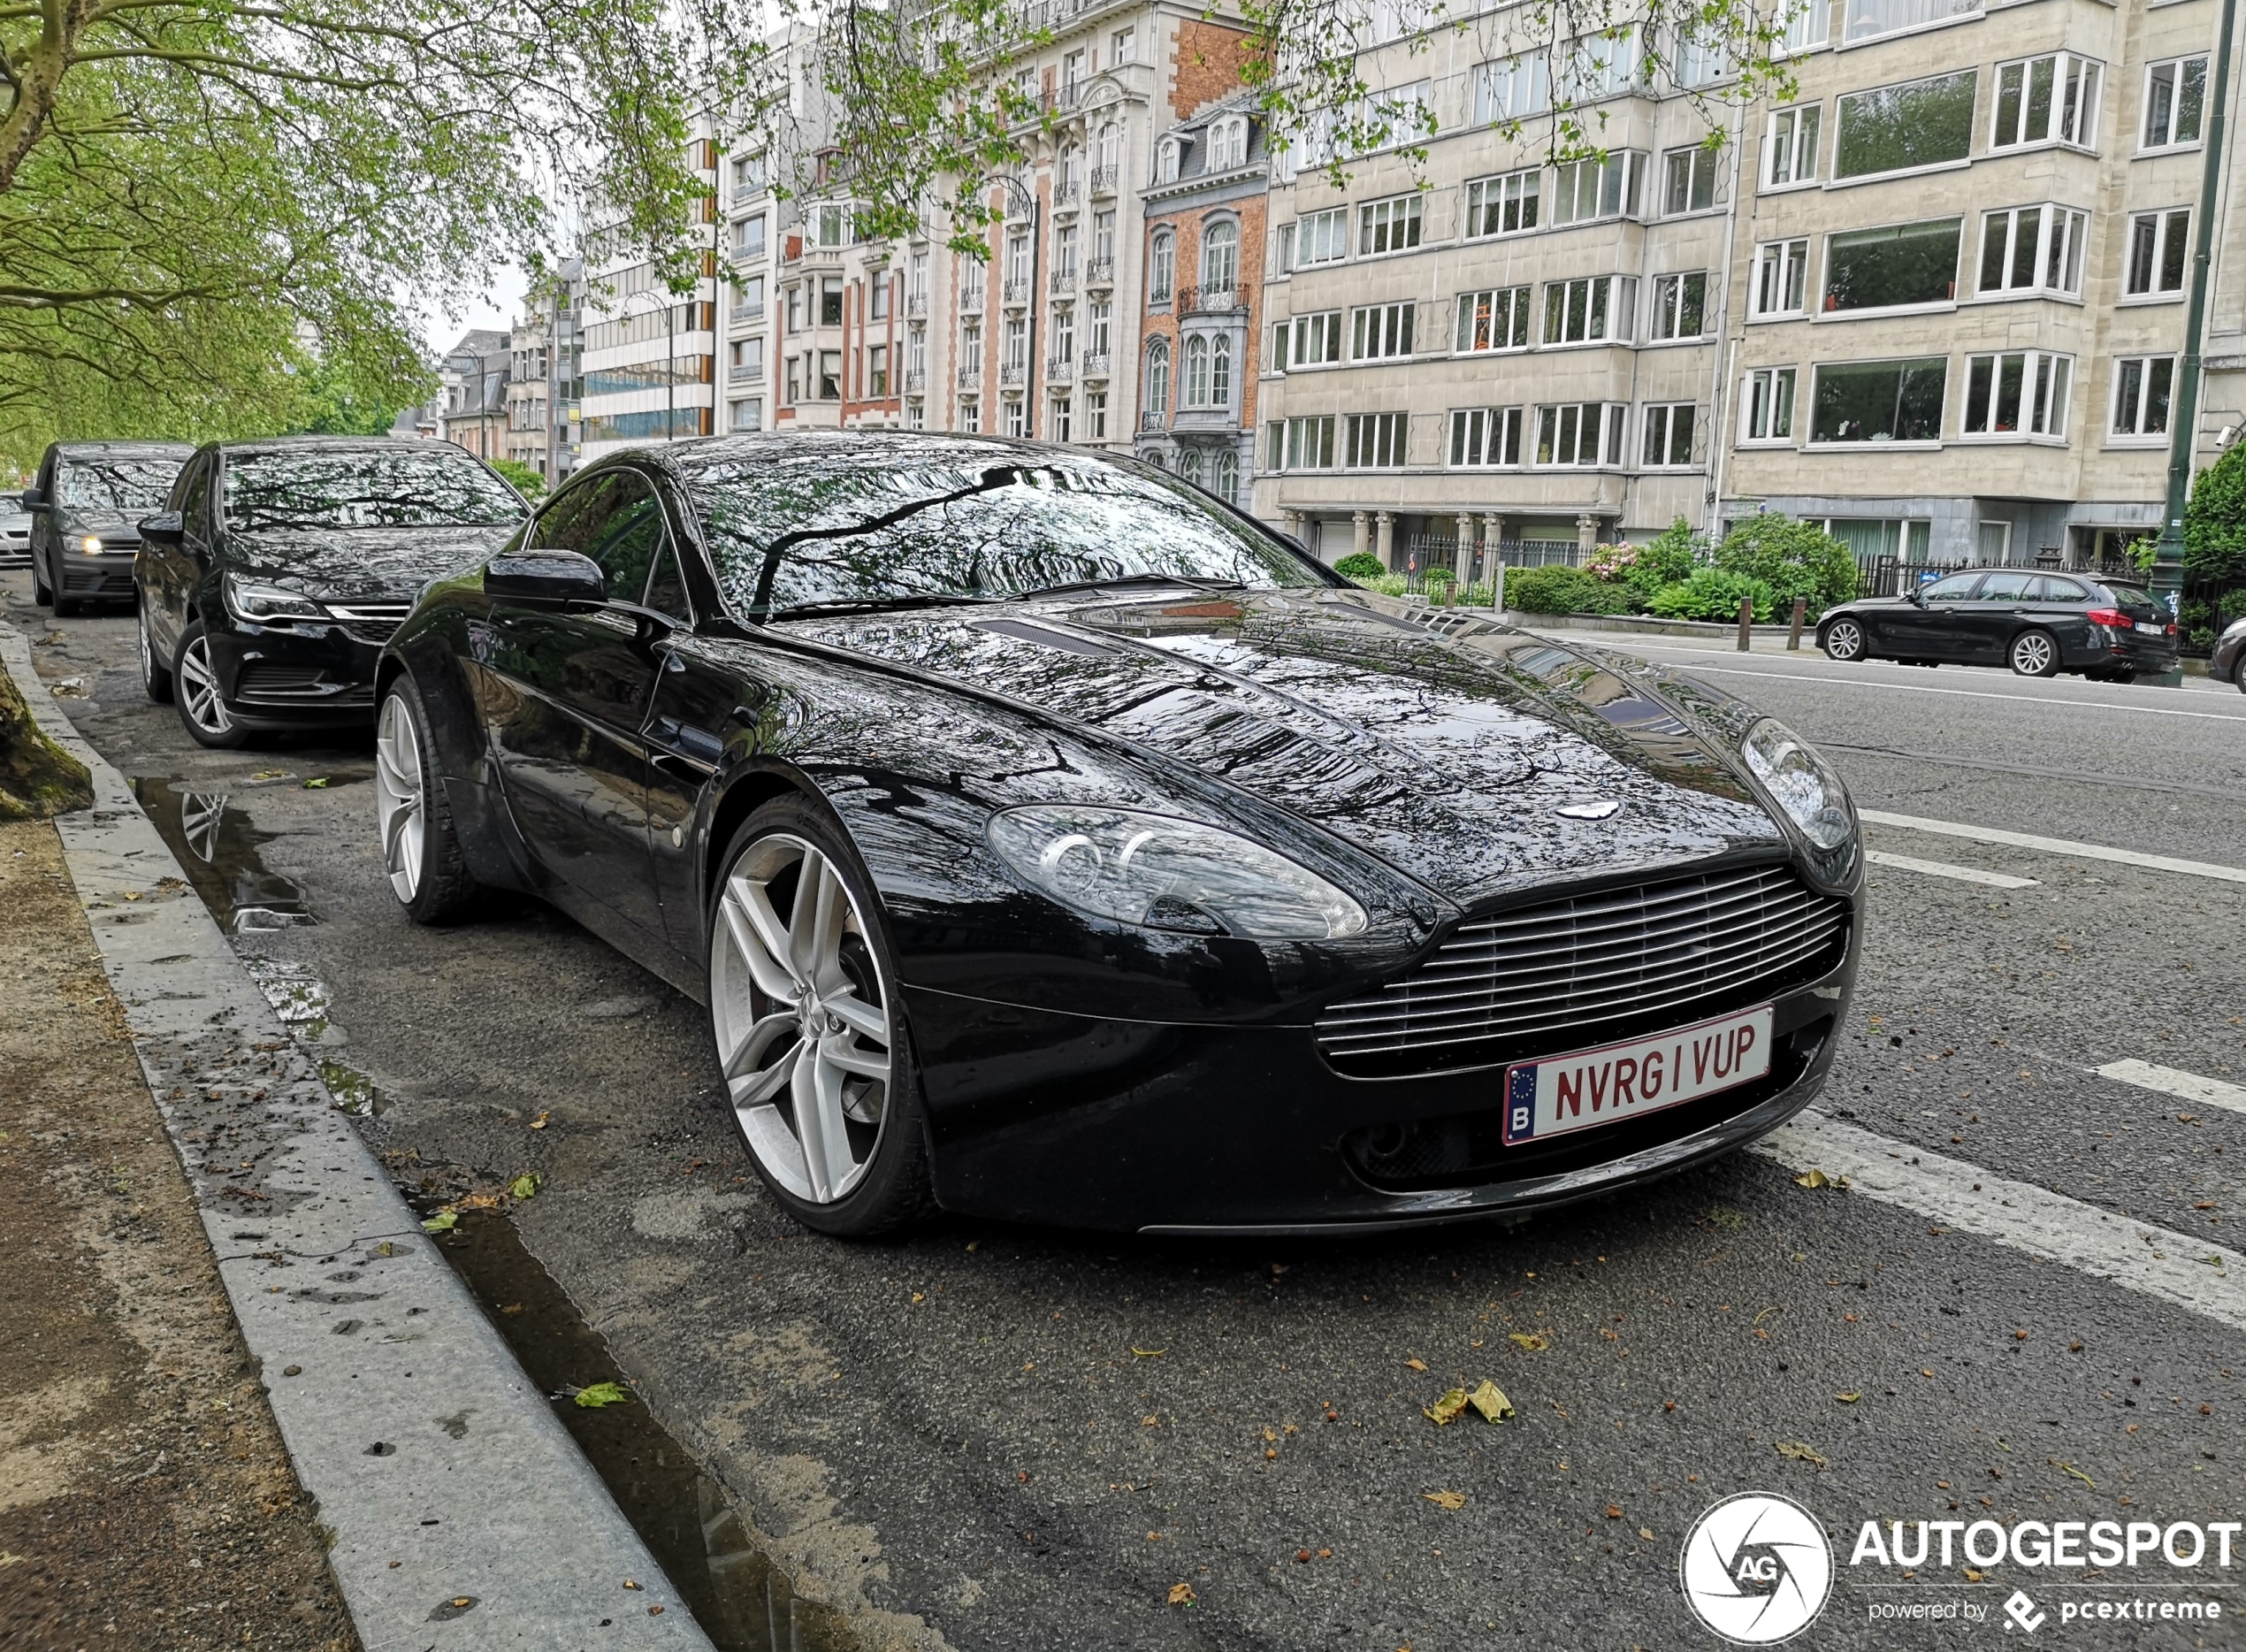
(333, 444)
(122, 449)
(874, 447)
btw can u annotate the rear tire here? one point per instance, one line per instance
(2034, 653)
(154, 679)
(421, 851)
(42, 592)
(1843, 641)
(202, 712)
(809, 1027)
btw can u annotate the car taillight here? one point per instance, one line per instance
(2108, 616)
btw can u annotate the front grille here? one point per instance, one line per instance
(299, 685)
(1505, 987)
(370, 622)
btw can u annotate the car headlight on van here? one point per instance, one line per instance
(91, 545)
(254, 604)
(1802, 782)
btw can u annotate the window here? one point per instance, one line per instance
(1889, 269)
(1167, 153)
(1300, 444)
(1389, 225)
(1605, 64)
(1503, 206)
(877, 297)
(829, 225)
(1228, 144)
(1189, 466)
(2021, 393)
(1691, 179)
(2036, 249)
(748, 237)
(830, 301)
(1379, 332)
(1512, 88)
(748, 300)
(1698, 62)
(747, 359)
(1868, 18)
(1668, 435)
(1495, 319)
(1095, 416)
(971, 348)
(1162, 268)
(1594, 308)
(1893, 128)
(1017, 262)
(1766, 407)
(1017, 418)
(1193, 390)
(1157, 378)
(1586, 189)
(795, 380)
(1809, 24)
(1307, 341)
(2141, 387)
(1377, 440)
(2175, 103)
(2052, 99)
(1322, 237)
(830, 375)
(916, 350)
(1220, 371)
(1221, 257)
(795, 308)
(877, 371)
(1064, 332)
(1579, 434)
(1790, 146)
(1482, 437)
(1122, 46)
(971, 416)
(748, 175)
(1780, 279)
(1065, 254)
(1227, 482)
(1680, 305)
(1098, 315)
(1402, 114)
(749, 415)
(1103, 242)
(2159, 245)
(1014, 351)
(1880, 401)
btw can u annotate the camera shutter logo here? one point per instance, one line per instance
(1756, 1569)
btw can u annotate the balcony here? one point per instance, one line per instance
(1094, 363)
(1104, 179)
(1064, 278)
(916, 381)
(1150, 420)
(743, 373)
(970, 379)
(916, 304)
(971, 293)
(1059, 369)
(1013, 375)
(1099, 272)
(1066, 196)
(1015, 293)
(1210, 301)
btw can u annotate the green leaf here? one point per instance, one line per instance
(525, 1185)
(603, 1394)
(441, 1222)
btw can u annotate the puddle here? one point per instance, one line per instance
(741, 1600)
(217, 846)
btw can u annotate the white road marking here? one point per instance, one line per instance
(2187, 1271)
(1943, 868)
(2213, 1092)
(2057, 845)
(1817, 661)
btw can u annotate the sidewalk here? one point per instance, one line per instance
(145, 1498)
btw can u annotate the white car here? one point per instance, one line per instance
(15, 532)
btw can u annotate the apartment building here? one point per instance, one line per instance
(542, 413)
(1935, 299)
(474, 376)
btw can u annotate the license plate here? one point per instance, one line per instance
(1562, 1093)
(2152, 630)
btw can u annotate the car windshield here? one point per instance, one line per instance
(877, 528)
(432, 485)
(127, 487)
(2135, 602)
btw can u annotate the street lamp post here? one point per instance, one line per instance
(2167, 562)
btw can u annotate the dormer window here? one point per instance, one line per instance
(1167, 155)
(1228, 144)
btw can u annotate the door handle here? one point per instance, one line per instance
(680, 768)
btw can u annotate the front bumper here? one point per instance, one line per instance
(1039, 1116)
(306, 673)
(107, 577)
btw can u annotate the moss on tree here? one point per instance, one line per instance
(37, 777)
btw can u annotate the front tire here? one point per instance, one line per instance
(2034, 653)
(421, 852)
(810, 1027)
(1843, 641)
(203, 710)
(156, 680)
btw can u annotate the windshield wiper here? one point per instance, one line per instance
(873, 605)
(1196, 583)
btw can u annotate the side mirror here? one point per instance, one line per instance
(1917, 594)
(545, 579)
(165, 528)
(35, 498)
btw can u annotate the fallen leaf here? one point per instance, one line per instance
(1531, 1341)
(1415, 1365)
(1645, 1531)
(1851, 1397)
(268, 774)
(1972, 1576)
(1490, 1400)
(1614, 1512)
(603, 1394)
(2070, 1469)
(524, 1185)
(1451, 1500)
(1302, 1557)
(1181, 1595)
(1445, 1410)
(1270, 1438)
(919, 1296)
(317, 783)
(1150, 1353)
(440, 1222)
(539, 1123)
(1813, 1177)
(1794, 1449)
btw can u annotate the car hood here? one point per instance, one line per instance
(1447, 744)
(361, 565)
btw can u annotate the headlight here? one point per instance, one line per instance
(91, 545)
(254, 604)
(1169, 873)
(1802, 782)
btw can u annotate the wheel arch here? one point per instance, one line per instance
(748, 791)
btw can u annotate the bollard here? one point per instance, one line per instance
(1497, 586)
(1794, 636)
(1746, 619)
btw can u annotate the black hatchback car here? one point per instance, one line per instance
(2038, 624)
(83, 506)
(270, 585)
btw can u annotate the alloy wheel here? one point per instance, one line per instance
(1845, 639)
(2034, 654)
(801, 1013)
(398, 796)
(199, 688)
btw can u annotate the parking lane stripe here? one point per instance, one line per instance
(2211, 1092)
(2055, 846)
(1943, 868)
(2158, 1261)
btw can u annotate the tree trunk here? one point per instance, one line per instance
(37, 777)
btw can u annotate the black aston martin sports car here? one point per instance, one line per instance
(1050, 840)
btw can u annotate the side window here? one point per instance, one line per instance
(194, 498)
(666, 590)
(2008, 587)
(615, 519)
(2062, 590)
(1956, 588)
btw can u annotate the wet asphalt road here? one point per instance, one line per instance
(986, 1437)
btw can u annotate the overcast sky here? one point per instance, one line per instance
(497, 308)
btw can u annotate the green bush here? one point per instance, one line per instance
(1788, 559)
(525, 480)
(2214, 522)
(1360, 565)
(1386, 585)
(1562, 590)
(1666, 559)
(1714, 594)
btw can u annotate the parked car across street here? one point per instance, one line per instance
(2038, 624)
